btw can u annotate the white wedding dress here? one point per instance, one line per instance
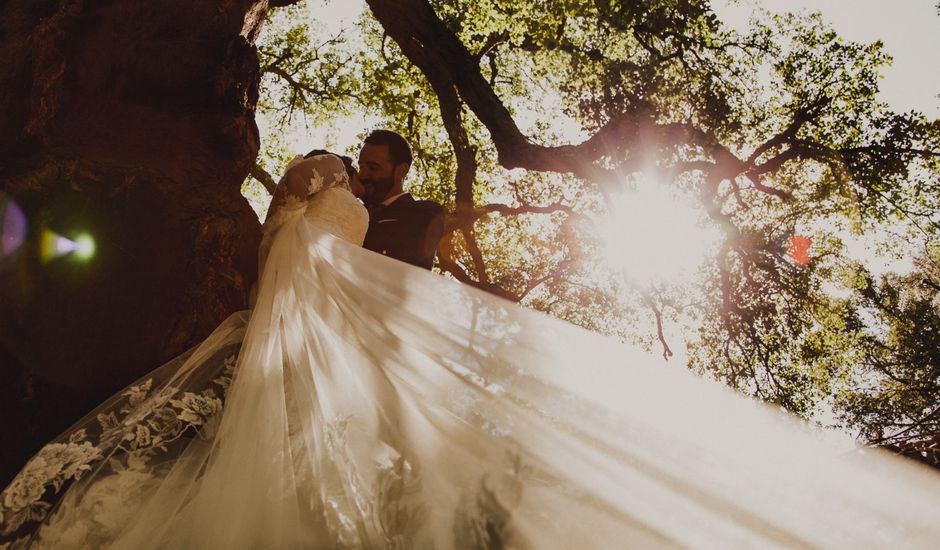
(366, 403)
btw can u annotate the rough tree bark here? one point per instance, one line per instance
(132, 121)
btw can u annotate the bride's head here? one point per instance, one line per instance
(351, 173)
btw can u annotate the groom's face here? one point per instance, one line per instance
(378, 173)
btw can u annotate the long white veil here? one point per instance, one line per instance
(376, 405)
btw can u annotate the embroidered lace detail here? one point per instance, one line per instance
(369, 502)
(53, 466)
(326, 171)
(123, 441)
(316, 183)
(320, 170)
(484, 517)
(398, 512)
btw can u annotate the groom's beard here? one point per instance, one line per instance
(377, 189)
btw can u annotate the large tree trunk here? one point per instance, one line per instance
(132, 121)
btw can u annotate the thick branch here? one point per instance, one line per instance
(264, 177)
(801, 117)
(441, 56)
(476, 254)
(448, 264)
(507, 210)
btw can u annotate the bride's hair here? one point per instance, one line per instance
(347, 162)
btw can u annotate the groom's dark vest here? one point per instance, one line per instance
(407, 230)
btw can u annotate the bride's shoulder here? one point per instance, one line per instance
(339, 197)
(342, 213)
(340, 193)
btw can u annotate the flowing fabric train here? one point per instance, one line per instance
(370, 404)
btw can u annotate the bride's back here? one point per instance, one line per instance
(339, 212)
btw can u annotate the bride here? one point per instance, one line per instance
(366, 403)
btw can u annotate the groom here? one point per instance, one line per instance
(399, 226)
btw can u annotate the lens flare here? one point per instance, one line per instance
(798, 249)
(654, 234)
(85, 247)
(13, 227)
(54, 245)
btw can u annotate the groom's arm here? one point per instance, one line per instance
(432, 239)
(426, 230)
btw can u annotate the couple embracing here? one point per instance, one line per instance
(400, 226)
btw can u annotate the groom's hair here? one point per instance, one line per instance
(398, 147)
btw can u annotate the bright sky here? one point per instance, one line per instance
(909, 29)
(337, 10)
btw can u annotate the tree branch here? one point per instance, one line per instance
(507, 210)
(448, 264)
(648, 300)
(298, 87)
(264, 177)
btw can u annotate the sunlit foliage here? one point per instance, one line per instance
(777, 134)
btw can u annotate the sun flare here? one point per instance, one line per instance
(655, 234)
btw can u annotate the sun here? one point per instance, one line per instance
(656, 234)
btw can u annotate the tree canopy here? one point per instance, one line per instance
(535, 121)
